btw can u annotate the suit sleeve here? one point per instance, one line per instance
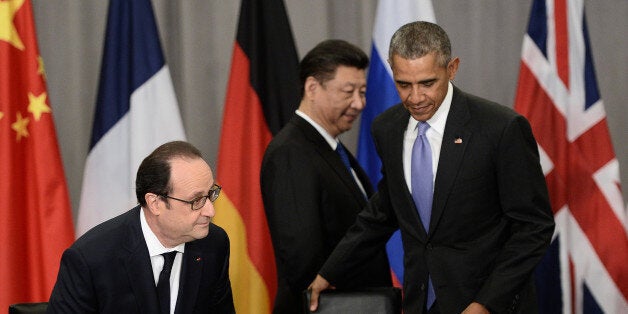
(373, 227)
(362, 242)
(73, 291)
(223, 295)
(525, 203)
(291, 194)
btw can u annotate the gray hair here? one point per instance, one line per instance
(417, 39)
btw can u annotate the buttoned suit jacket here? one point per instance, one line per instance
(491, 220)
(311, 199)
(108, 270)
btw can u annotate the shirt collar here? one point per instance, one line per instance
(333, 142)
(152, 242)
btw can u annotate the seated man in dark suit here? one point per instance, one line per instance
(163, 256)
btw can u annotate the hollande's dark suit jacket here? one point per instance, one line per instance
(108, 270)
(491, 219)
(311, 199)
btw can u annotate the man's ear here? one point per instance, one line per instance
(452, 68)
(152, 203)
(311, 84)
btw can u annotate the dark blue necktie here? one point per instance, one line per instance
(344, 157)
(422, 187)
(163, 284)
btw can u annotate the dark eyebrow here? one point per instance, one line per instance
(431, 80)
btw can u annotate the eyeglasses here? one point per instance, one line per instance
(200, 201)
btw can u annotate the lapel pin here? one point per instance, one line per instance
(458, 140)
(198, 259)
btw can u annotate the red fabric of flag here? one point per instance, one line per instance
(35, 214)
(584, 270)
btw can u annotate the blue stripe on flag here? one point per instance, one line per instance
(132, 54)
(589, 305)
(592, 94)
(537, 27)
(380, 95)
(547, 278)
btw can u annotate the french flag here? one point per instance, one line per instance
(136, 111)
(381, 95)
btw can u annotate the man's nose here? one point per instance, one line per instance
(358, 100)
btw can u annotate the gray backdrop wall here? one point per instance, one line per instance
(198, 35)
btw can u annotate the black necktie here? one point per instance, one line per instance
(163, 285)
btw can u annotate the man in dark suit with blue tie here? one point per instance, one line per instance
(163, 256)
(463, 182)
(312, 187)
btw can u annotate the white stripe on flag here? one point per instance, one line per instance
(392, 15)
(109, 177)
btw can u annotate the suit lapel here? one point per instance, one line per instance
(329, 156)
(455, 140)
(395, 176)
(191, 272)
(138, 266)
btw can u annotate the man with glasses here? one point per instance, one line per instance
(162, 256)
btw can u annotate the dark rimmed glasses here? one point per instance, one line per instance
(200, 201)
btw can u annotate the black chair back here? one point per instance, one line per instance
(28, 308)
(386, 300)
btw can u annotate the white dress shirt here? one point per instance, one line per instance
(155, 249)
(434, 135)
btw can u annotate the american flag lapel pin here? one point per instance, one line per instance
(458, 140)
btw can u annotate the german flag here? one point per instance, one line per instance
(262, 94)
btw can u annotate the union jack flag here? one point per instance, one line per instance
(585, 269)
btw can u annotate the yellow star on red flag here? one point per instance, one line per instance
(37, 105)
(40, 67)
(20, 126)
(8, 32)
(28, 145)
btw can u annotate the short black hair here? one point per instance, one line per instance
(322, 61)
(153, 175)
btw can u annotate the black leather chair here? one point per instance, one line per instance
(28, 308)
(385, 300)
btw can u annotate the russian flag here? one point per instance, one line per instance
(136, 111)
(381, 94)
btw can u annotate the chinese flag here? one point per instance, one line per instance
(35, 216)
(262, 95)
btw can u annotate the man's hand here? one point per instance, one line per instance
(319, 284)
(475, 308)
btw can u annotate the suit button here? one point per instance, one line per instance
(422, 287)
(429, 246)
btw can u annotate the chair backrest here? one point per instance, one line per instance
(28, 308)
(385, 300)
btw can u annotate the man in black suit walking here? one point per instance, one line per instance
(463, 182)
(312, 187)
(163, 256)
